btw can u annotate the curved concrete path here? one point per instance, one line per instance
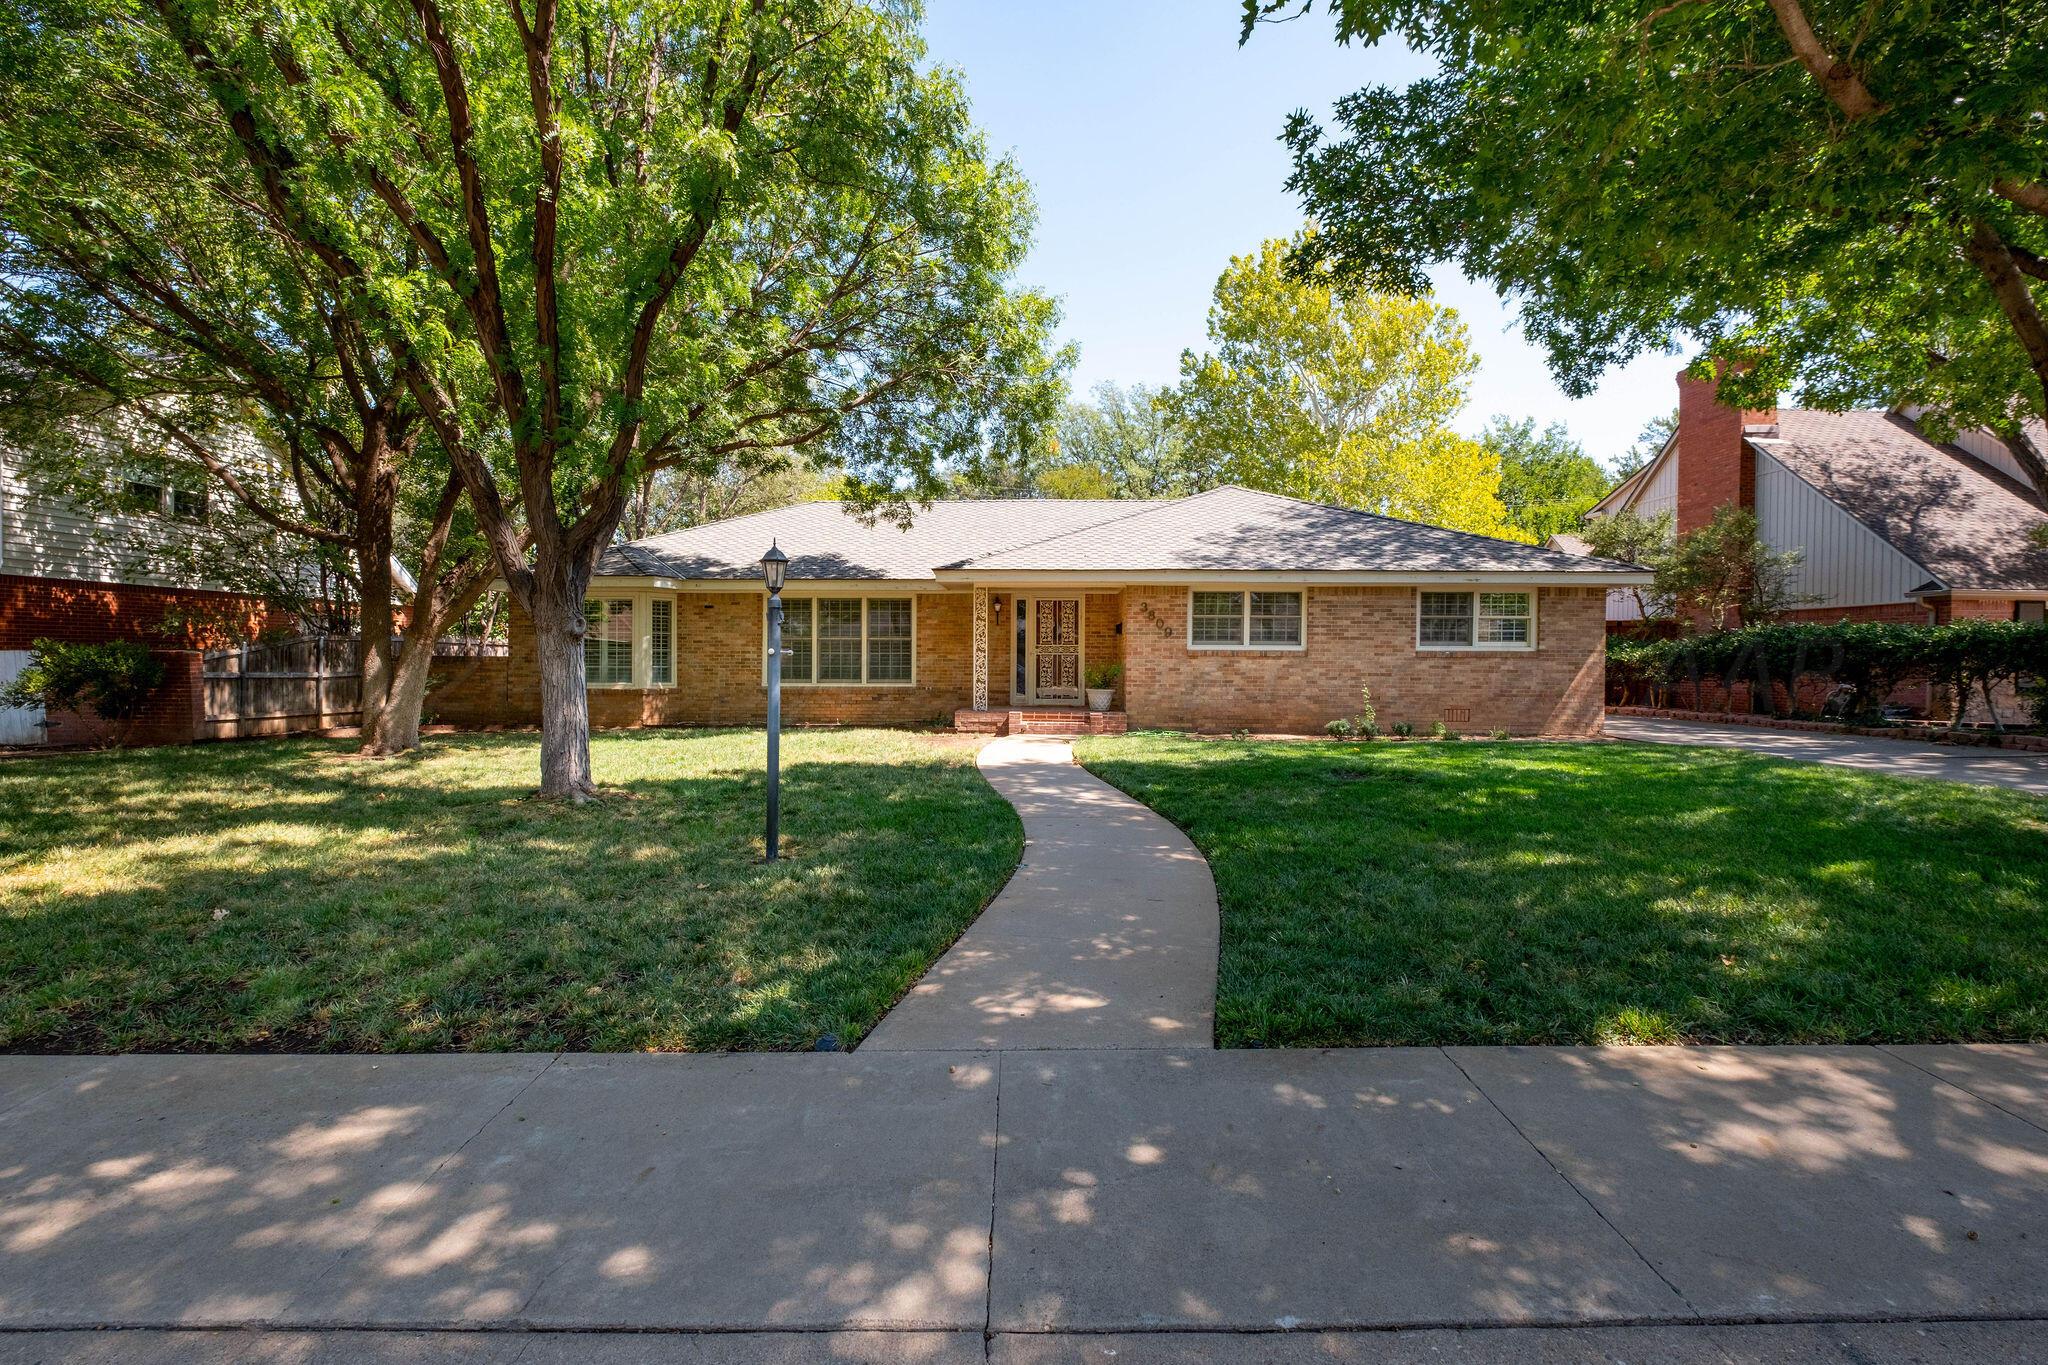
(1105, 937)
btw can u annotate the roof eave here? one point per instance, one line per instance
(1589, 578)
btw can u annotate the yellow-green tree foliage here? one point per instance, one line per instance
(1336, 398)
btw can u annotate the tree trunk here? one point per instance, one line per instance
(377, 661)
(557, 611)
(400, 729)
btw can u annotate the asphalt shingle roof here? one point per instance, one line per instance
(1965, 522)
(1237, 529)
(1228, 529)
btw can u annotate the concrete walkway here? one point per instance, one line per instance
(1104, 938)
(1467, 1204)
(2027, 772)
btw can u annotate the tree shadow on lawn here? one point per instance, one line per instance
(1559, 893)
(286, 900)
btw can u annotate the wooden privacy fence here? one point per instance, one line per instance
(306, 684)
(274, 689)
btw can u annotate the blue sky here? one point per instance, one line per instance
(1152, 140)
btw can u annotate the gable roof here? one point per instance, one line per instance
(1239, 530)
(1231, 530)
(1964, 521)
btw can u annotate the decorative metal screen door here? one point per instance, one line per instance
(1056, 649)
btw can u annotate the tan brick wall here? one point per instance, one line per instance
(1366, 635)
(718, 663)
(1354, 635)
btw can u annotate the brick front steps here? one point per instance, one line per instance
(1044, 721)
(1918, 734)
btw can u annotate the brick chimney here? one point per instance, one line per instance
(1715, 467)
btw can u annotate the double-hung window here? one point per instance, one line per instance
(608, 641)
(1244, 619)
(629, 641)
(1475, 620)
(848, 641)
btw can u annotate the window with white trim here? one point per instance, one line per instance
(607, 641)
(849, 641)
(661, 642)
(1244, 620)
(1475, 620)
(629, 640)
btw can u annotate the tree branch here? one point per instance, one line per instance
(1993, 259)
(1841, 81)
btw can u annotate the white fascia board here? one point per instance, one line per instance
(792, 585)
(1055, 578)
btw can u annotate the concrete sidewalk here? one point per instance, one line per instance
(2027, 772)
(1036, 1206)
(1104, 937)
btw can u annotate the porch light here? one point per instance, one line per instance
(774, 566)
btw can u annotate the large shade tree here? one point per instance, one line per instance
(1335, 396)
(1846, 197)
(157, 322)
(600, 239)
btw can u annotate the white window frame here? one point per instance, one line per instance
(1245, 644)
(865, 600)
(1477, 646)
(643, 640)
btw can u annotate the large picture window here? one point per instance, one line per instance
(849, 641)
(1475, 620)
(1244, 620)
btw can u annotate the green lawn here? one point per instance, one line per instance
(1591, 893)
(282, 895)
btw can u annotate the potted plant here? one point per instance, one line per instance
(1102, 685)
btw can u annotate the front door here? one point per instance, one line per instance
(1053, 653)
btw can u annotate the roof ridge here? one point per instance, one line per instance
(842, 504)
(1145, 506)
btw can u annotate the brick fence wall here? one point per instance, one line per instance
(176, 623)
(1366, 635)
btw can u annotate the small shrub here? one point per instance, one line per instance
(1338, 729)
(1104, 675)
(2035, 695)
(1497, 732)
(113, 680)
(1442, 731)
(1368, 722)
(1240, 733)
(1403, 729)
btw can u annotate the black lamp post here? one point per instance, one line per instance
(774, 565)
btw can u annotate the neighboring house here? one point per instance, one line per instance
(1889, 524)
(68, 574)
(1230, 609)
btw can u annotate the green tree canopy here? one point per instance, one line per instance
(1547, 480)
(1128, 435)
(594, 240)
(1848, 197)
(1335, 397)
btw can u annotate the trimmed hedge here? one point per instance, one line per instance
(1869, 657)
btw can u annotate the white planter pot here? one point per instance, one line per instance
(1099, 698)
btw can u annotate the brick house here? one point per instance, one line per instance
(1890, 524)
(1229, 609)
(65, 575)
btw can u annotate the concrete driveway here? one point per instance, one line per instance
(2027, 772)
(1463, 1204)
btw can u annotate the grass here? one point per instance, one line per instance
(1597, 893)
(283, 895)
